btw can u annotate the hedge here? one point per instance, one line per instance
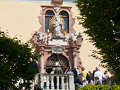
(100, 87)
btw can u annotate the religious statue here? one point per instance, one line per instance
(67, 36)
(57, 27)
(49, 36)
(42, 37)
(74, 37)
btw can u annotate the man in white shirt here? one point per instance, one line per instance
(98, 74)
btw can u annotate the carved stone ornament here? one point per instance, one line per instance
(75, 55)
(57, 49)
(57, 2)
(44, 8)
(56, 9)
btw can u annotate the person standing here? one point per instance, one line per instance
(78, 82)
(94, 73)
(99, 75)
(89, 77)
(35, 66)
(106, 81)
(76, 72)
(58, 70)
(106, 74)
(84, 73)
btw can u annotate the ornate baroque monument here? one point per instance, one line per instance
(56, 40)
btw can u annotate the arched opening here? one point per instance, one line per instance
(48, 15)
(65, 16)
(56, 58)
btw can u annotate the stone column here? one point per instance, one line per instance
(42, 63)
(71, 82)
(47, 82)
(58, 82)
(52, 83)
(75, 59)
(41, 80)
(63, 84)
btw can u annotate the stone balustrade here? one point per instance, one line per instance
(47, 81)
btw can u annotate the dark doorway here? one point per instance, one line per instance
(51, 62)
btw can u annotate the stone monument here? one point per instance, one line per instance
(57, 45)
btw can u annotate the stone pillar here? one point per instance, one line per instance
(52, 83)
(41, 81)
(63, 84)
(75, 59)
(42, 63)
(75, 56)
(57, 82)
(47, 82)
(71, 82)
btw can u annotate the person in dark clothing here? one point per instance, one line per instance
(58, 70)
(89, 77)
(97, 81)
(35, 66)
(94, 73)
(75, 73)
(78, 82)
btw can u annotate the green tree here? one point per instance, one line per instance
(101, 18)
(15, 62)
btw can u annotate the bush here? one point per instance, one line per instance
(100, 87)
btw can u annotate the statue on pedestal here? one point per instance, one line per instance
(57, 32)
(57, 25)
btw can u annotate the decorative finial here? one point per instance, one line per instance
(57, 2)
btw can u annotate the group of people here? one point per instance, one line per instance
(96, 77)
(80, 79)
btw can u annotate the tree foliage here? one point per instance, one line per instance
(15, 62)
(101, 18)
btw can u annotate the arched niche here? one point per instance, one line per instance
(56, 58)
